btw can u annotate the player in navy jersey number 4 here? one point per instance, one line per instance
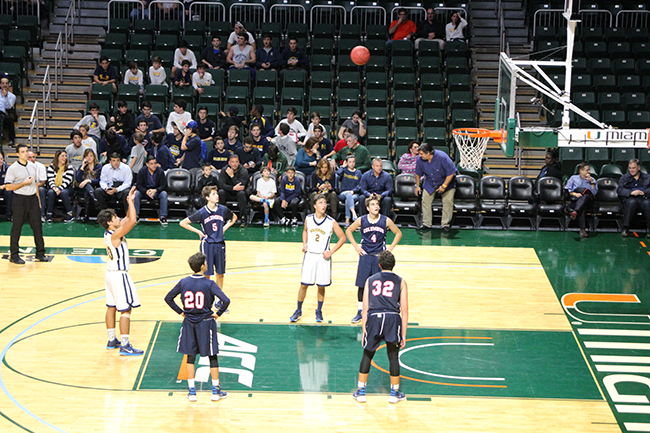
(317, 261)
(199, 330)
(385, 317)
(214, 219)
(120, 291)
(374, 228)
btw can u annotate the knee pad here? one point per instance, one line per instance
(214, 361)
(127, 315)
(191, 359)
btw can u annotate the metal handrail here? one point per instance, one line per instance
(198, 5)
(47, 98)
(33, 124)
(70, 16)
(181, 9)
(58, 65)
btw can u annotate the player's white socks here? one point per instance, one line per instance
(394, 387)
(215, 382)
(361, 384)
(360, 306)
(190, 383)
(111, 334)
(125, 339)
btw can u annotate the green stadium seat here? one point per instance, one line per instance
(120, 25)
(140, 56)
(595, 49)
(581, 121)
(195, 42)
(377, 98)
(435, 136)
(456, 49)
(402, 48)
(347, 65)
(104, 107)
(431, 82)
(638, 34)
(376, 116)
(298, 30)
(376, 80)
(322, 46)
(405, 98)
(266, 79)
(600, 66)
(144, 27)
(641, 50)
(591, 34)
(405, 134)
(402, 64)
(434, 117)
(320, 96)
(379, 151)
(376, 32)
(292, 96)
(619, 50)
(273, 29)
(463, 117)
(128, 92)
(295, 79)
(429, 65)
(239, 77)
(376, 64)
(428, 49)
(624, 66)
(343, 113)
(459, 82)
(377, 136)
(221, 28)
(212, 94)
(170, 27)
(406, 117)
(605, 83)
(350, 80)
(195, 28)
(264, 96)
(376, 47)
(585, 100)
(580, 65)
(322, 80)
(323, 30)
(185, 92)
(321, 62)
(404, 81)
(638, 119)
(613, 34)
(237, 95)
(609, 101)
(433, 99)
(349, 97)
(114, 56)
(141, 41)
(615, 118)
(581, 83)
(166, 58)
(213, 109)
(351, 31)
(167, 42)
(101, 92)
(634, 101)
(116, 41)
(457, 65)
(629, 83)
(345, 47)
(621, 156)
(597, 157)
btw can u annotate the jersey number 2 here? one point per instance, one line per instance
(194, 300)
(386, 290)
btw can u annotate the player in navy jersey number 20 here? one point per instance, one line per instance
(374, 228)
(199, 330)
(384, 298)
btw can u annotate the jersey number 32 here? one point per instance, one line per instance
(385, 289)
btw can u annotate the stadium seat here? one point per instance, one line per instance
(377, 116)
(492, 201)
(349, 97)
(376, 47)
(614, 118)
(376, 98)
(378, 151)
(376, 80)
(404, 81)
(521, 202)
(377, 135)
(609, 101)
(239, 77)
(405, 201)
(170, 27)
(430, 81)
(465, 202)
(322, 46)
(266, 79)
(459, 82)
(402, 64)
(634, 101)
(550, 203)
(157, 93)
(434, 117)
(629, 83)
(638, 119)
(406, 117)
(597, 157)
(607, 206)
(115, 41)
(345, 47)
(429, 65)
(405, 134)
(349, 80)
(433, 99)
(428, 49)
(436, 137)
(179, 188)
(141, 41)
(613, 171)
(295, 79)
(404, 98)
(463, 118)
(600, 66)
(605, 83)
(625, 66)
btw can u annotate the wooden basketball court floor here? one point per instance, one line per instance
(491, 348)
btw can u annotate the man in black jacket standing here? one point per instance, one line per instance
(232, 186)
(634, 190)
(151, 183)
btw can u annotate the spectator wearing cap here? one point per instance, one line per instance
(228, 120)
(192, 147)
(240, 30)
(179, 116)
(183, 53)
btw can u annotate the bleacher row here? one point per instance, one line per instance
(404, 95)
(18, 36)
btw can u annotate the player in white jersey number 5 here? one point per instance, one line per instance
(120, 291)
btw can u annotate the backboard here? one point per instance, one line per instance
(505, 115)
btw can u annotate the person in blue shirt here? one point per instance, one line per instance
(634, 190)
(249, 157)
(377, 181)
(350, 187)
(259, 142)
(290, 194)
(151, 183)
(192, 147)
(266, 127)
(153, 122)
(293, 58)
(582, 188)
(439, 172)
(161, 152)
(267, 56)
(213, 57)
(219, 156)
(199, 330)
(105, 74)
(232, 141)
(307, 157)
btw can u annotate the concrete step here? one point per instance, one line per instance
(485, 22)
(483, 13)
(481, 32)
(484, 40)
(97, 30)
(482, 5)
(514, 14)
(74, 55)
(60, 104)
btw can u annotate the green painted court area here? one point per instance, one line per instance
(306, 358)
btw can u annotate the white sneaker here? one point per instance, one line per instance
(271, 202)
(284, 221)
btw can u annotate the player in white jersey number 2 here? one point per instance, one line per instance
(317, 262)
(120, 291)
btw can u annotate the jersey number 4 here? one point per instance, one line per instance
(194, 300)
(385, 289)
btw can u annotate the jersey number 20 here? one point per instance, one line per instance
(194, 300)
(386, 290)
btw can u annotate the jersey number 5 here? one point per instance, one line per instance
(386, 290)
(194, 300)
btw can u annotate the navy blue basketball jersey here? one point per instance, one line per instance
(212, 222)
(384, 291)
(373, 235)
(197, 295)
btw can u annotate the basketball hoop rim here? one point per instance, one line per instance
(478, 133)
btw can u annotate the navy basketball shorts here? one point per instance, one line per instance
(368, 265)
(198, 338)
(215, 257)
(382, 326)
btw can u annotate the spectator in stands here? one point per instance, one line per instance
(265, 193)
(349, 180)
(157, 74)
(439, 172)
(407, 161)
(249, 157)
(7, 101)
(259, 142)
(87, 140)
(230, 119)
(232, 142)
(146, 142)
(240, 31)
(161, 152)
(242, 56)
(296, 131)
(634, 190)
(124, 120)
(75, 150)
(356, 125)
(430, 30)
(212, 57)
(293, 58)
(342, 142)
(290, 193)
(268, 57)
(307, 157)
(168, 10)
(113, 143)
(104, 74)
(183, 77)
(325, 146)
(114, 181)
(179, 116)
(201, 79)
(275, 160)
(181, 54)
(454, 29)
(358, 150)
(88, 179)
(233, 180)
(173, 142)
(153, 122)
(205, 179)
(315, 121)
(206, 126)
(266, 127)
(60, 176)
(192, 147)
(144, 7)
(552, 167)
(377, 181)
(582, 189)
(41, 180)
(5, 193)
(134, 76)
(323, 181)
(151, 182)
(219, 156)
(285, 143)
(401, 29)
(96, 121)
(138, 153)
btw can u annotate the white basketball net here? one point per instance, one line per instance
(471, 149)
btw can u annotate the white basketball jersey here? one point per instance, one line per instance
(319, 233)
(118, 258)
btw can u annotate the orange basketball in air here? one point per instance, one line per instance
(360, 55)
